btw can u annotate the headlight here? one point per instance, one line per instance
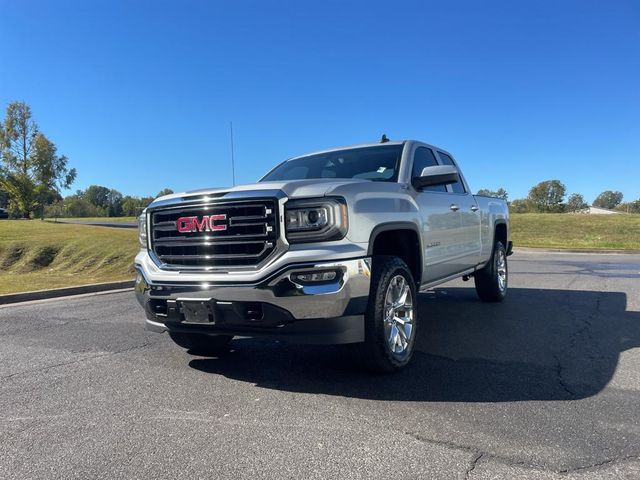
(316, 220)
(142, 230)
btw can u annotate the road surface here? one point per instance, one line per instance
(100, 223)
(544, 385)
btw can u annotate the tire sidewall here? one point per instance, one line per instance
(376, 312)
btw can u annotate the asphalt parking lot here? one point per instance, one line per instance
(544, 385)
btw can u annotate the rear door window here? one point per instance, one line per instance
(457, 187)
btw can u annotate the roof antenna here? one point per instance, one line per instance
(384, 139)
(233, 163)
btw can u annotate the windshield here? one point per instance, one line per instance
(380, 163)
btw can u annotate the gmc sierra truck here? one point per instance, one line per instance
(331, 247)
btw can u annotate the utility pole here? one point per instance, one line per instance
(233, 164)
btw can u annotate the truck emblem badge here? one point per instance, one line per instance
(206, 224)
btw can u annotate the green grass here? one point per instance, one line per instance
(579, 231)
(36, 255)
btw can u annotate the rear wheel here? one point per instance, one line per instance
(392, 317)
(199, 344)
(492, 280)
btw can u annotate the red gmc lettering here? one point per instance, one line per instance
(184, 224)
(214, 227)
(202, 225)
(192, 224)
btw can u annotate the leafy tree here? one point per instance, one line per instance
(55, 210)
(79, 207)
(547, 196)
(106, 200)
(50, 170)
(163, 192)
(96, 195)
(500, 193)
(22, 193)
(30, 168)
(576, 202)
(608, 199)
(132, 206)
(17, 135)
(629, 207)
(519, 205)
(115, 203)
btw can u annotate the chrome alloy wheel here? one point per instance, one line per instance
(501, 270)
(398, 315)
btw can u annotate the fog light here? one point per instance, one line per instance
(313, 277)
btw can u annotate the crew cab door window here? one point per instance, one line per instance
(457, 187)
(424, 157)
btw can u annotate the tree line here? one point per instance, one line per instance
(549, 197)
(99, 201)
(32, 174)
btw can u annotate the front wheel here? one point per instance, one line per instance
(492, 280)
(205, 345)
(391, 320)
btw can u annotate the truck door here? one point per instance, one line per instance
(441, 227)
(470, 245)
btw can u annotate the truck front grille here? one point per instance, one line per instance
(241, 234)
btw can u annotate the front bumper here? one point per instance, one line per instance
(279, 305)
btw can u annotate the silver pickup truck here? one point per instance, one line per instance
(331, 247)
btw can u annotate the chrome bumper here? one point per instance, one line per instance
(274, 306)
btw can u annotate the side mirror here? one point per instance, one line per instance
(436, 175)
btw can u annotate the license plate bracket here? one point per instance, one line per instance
(197, 311)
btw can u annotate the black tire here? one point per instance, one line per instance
(488, 285)
(199, 344)
(375, 353)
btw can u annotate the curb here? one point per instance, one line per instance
(64, 292)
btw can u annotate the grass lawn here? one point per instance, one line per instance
(613, 232)
(36, 255)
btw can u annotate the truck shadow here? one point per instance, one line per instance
(537, 345)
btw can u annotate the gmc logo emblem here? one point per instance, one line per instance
(207, 224)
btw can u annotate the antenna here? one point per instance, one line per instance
(233, 164)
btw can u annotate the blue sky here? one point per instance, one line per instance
(139, 95)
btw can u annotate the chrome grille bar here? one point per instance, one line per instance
(247, 235)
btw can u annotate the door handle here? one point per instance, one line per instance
(454, 207)
(474, 208)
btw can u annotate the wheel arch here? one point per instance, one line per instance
(500, 232)
(405, 236)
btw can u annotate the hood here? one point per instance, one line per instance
(317, 187)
